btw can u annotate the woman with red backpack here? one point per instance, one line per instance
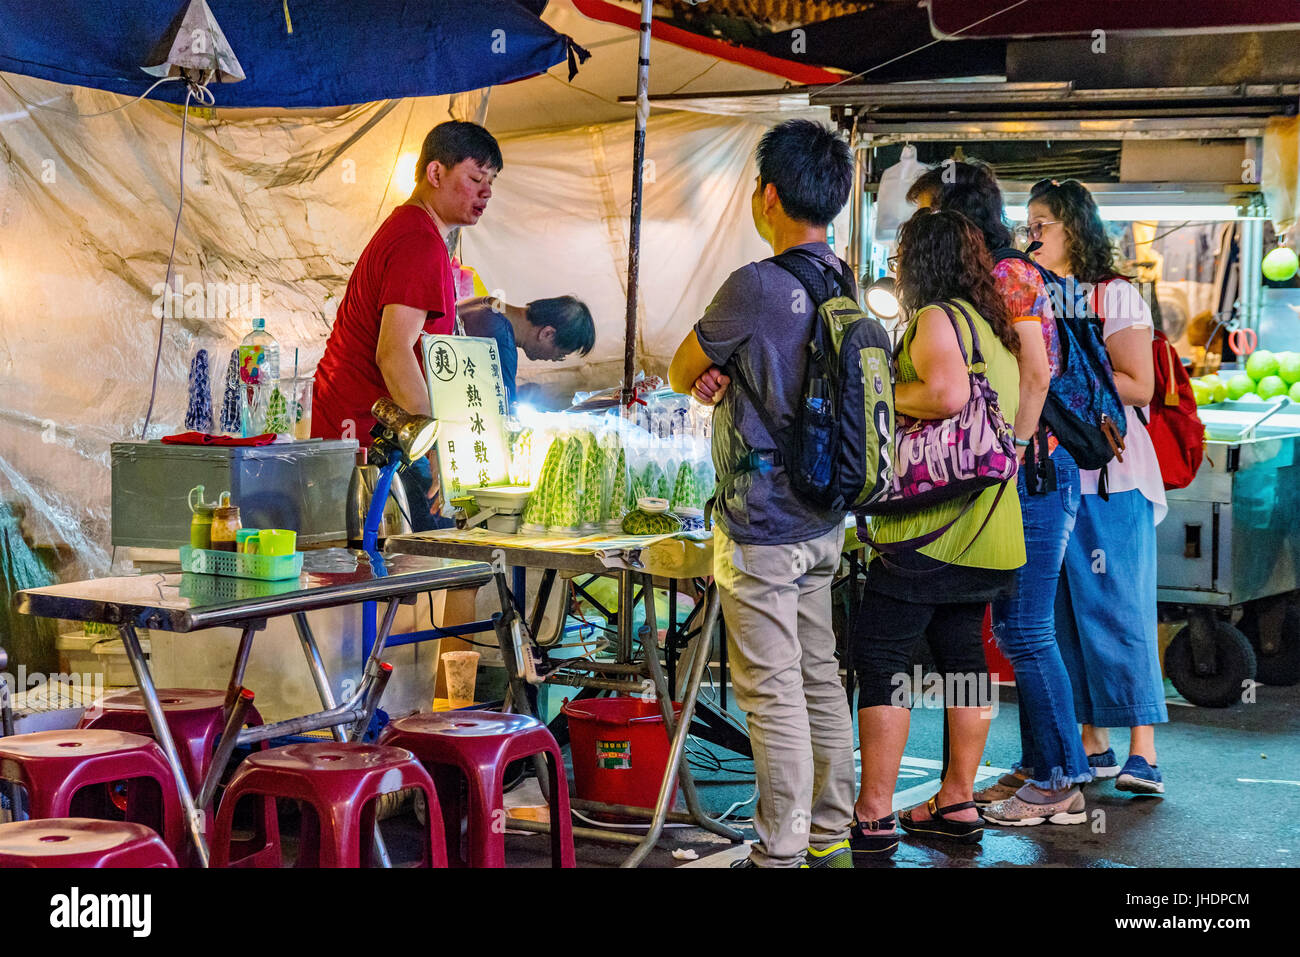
(1106, 601)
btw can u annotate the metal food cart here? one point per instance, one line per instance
(1229, 556)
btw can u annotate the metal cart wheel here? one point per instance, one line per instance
(1273, 627)
(1209, 661)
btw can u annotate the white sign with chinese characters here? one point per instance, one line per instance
(468, 398)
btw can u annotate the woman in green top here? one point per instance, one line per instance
(941, 590)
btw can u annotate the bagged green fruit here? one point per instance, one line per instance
(594, 504)
(705, 481)
(618, 491)
(563, 508)
(684, 489)
(536, 510)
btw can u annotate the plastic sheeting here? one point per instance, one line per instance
(277, 210)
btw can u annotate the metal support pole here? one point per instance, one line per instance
(163, 735)
(225, 746)
(684, 776)
(634, 232)
(371, 700)
(317, 668)
(237, 672)
(1250, 287)
(857, 228)
(678, 748)
(377, 650)
(626, 593)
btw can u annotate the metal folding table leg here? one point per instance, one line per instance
(237, 671)
(690, 693)
(317, 668)
(664, 695)
(163, 735)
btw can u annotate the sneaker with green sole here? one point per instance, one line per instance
(837, 855)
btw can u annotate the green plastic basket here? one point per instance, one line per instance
(267, 568)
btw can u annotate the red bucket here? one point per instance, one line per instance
(619, 748)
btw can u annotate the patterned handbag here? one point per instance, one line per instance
(937, 460)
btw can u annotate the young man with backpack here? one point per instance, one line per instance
(776, 547)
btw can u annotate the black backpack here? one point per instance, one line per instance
(838, 451)
(1083, 407)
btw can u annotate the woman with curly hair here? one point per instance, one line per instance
(938, 591)
(1106, 602)
(1045, 784)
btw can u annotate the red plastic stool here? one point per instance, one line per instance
(55, 766)
(194, 715)
(481, 744)
(341, 783)
(196, 718)
(81, 842)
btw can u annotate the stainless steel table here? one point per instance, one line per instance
(186, 602)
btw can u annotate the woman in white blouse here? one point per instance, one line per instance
(1106, 602)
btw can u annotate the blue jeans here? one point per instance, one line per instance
(416, 479)
(1025, 628)
(1106, 613)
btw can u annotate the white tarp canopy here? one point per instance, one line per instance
(277, 209)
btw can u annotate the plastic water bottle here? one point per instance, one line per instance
(817, 423)
(259, 377)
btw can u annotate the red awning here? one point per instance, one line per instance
(790, 70)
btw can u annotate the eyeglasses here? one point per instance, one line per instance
(1034, 231)
(891, 264)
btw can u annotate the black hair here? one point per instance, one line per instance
(1092, 256)
(569, 317)
(455, 141)
(811, 167)
(971, 188)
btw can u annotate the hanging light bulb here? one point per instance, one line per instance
(882, 298)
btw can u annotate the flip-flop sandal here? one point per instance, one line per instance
(960, 832)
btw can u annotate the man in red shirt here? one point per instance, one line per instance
(403, 285)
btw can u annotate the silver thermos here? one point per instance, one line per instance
(361, 488)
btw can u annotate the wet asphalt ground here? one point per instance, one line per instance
(1232, 800)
